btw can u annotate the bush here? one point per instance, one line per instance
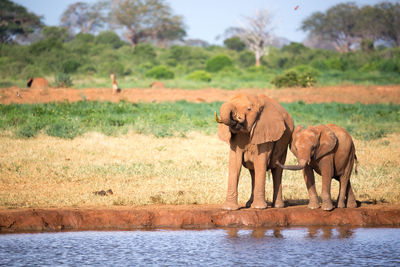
(70, 66)
(218, 62)
(334, 64)
(246, 59)
(63, 80)
(200, 75)
(144, 53)
(302, 76)
(287, 79)
(109, 38)
(115, 68)
(160, 72)
(235, 43)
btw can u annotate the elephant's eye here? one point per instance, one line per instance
(248, 108)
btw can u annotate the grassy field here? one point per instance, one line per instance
(142, 169)
(68, 120)
(166, 153)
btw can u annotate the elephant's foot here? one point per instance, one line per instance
(327, 205)
(279, 204)
(352, 204)
(259, 205)
(313, 204)
(341, 205)
(230, 206)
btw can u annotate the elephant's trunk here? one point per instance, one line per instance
(300, 166)
(226, 114)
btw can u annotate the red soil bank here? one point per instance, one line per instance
(191, 217)
(342, 94)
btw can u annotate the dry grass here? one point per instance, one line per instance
(52, 172)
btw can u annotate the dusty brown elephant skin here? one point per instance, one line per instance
(258, 130)
(329, 150)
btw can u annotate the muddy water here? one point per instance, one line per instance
(261, 247)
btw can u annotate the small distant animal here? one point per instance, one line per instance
(19, 95)
(115, 88)
(157, 84)
(103, 192)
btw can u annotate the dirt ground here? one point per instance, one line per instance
(191, 216)
(343, 94)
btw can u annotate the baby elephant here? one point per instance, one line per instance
(330, 151)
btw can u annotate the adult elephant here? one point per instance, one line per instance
(258, 130)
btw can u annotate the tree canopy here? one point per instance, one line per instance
(84, 17)
(147, 20)
(346, 25)
(16, 21)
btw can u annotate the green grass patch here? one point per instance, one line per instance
(68, 120)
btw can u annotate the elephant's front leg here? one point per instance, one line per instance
(235, 164)
(310, 183)
(326, 167)
(261, 161)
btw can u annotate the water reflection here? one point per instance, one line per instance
(312, 246)
(313, 232)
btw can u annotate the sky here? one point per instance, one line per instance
(207, 19)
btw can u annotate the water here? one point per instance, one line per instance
(261, 247)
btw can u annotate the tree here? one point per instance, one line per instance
(16, 21)
(55, 32)
(257, 34)
(147, 20)
(338, 25)
(391, 22)
(83, 17)
(235, 43)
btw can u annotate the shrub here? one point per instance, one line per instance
(302, 76)
(144, 53)
(389, 65)
(115, 68)
(218, 62)
(334, 63)
(235, 43)
(160, 72)
(287, 79)
(63, 80)
(200, 75)
(70, 66)
(109, 38)
(246, 59)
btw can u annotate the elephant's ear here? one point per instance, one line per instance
(223, 133)
(327, 141)
(270, 125)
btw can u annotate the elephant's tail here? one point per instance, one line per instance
(355, 164)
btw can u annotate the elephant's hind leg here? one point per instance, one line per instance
(351, 199)
(277, 201)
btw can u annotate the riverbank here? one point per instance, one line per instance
(190, 217)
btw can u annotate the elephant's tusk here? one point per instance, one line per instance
(217, 119)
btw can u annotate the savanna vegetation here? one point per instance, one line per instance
(82, 51)
(58, 154)
(68, 120)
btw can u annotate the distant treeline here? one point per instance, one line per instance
(98, 56)
(29, 48)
